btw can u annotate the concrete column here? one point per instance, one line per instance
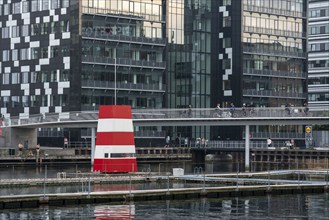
(93, 144)
(247, 152)
(26, 136)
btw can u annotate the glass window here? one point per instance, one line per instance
(5, 32)
(25, 101)
(24, 54)
(45, 4)
(44, 76)
(65, 3)
(34, 101)
(16, 8)
(5, 78)
(25, 7)
(53, 76)
(5, 55)
(54, 4)
(14, 54)
(5, 100)
(35, 53)
(25, 77)
(65, 51)
(25, 30)
(64, 76)
(54, 51)
(227, 2)
(15, 78)
(35, 29)
(0, 9)
(14, 101)
(63, 100)
(6, 9)
(227, 21)
(44, 100)
(45, 28)
(35, 77)
(34, 5)
(44, 52)
(15, 31)
(65, 26)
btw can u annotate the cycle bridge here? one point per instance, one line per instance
(25, 126)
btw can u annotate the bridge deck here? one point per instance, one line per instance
(178, 117)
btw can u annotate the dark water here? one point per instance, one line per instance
(265, 207)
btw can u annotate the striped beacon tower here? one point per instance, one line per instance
(115, 144)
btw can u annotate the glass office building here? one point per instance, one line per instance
(190, 28)
(248, 51)
(318, 54)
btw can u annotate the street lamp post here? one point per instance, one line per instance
(115, 81)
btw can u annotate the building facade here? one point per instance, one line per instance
(61, 55)
(242, 52)
(318, 54)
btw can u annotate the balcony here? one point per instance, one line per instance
(274, 94)
(121, 38)
(122, 14)
(273, 52)
(140, 87)
(274, 32)
(272, 73)
(274, 11)
(123, 62)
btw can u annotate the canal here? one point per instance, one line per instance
(297, 206)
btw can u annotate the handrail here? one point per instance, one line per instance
(280, 113)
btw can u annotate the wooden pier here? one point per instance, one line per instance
(239, 184)
(64, 199)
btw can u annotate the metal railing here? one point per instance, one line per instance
(269, 31)
(264, 72)
(122, 13)
(123, 38)
(276, 135)
(233, 145)
(274, 52)
(280, 113)
(123, 86)
(269, 93)
(122, 61)
(275, 11)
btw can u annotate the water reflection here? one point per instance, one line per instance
(117, 212)
(265, 207)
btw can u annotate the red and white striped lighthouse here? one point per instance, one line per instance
(115, 144)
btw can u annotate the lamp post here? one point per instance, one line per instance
(115, 81)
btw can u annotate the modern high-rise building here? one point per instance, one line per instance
(241, 51)
(61, 55)
(318, 54)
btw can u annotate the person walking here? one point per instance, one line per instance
(269, 142)
(232, 110)
(189, 112)
(218, 112)
(167, 141)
